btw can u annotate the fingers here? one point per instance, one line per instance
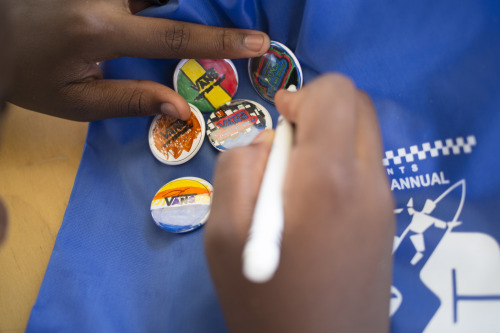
(335, 116)
(147, 37)
(324, 113)
(284, 101)
(100, 99)
(237, 179)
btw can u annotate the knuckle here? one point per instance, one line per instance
(337, 177)
(133, 104)
(333, 92)
(339, 81)
(86, 25)
(223, 41)
(176, 38)
(73, 101)
(332, 87)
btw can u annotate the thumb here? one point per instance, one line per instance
(286, 102)
(100, 99)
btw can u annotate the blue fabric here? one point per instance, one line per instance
(433, 71)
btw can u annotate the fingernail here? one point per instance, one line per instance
(254, 42)
(265, 136)
(282, 97)
(169, 109)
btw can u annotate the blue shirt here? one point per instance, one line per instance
(433, 71)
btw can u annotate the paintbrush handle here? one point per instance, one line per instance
(262, 251)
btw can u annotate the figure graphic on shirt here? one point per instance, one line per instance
(420, 222)
(423, 221)
(462, 271)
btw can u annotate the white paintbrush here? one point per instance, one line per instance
(261, 254)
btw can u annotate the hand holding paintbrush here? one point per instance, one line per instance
(334, 267)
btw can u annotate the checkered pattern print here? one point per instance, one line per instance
(450, 146)
(229, 109)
